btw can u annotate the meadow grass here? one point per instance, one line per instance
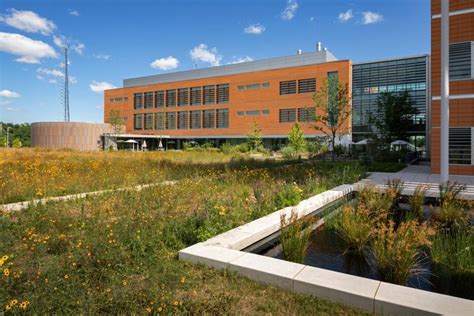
(117, 253)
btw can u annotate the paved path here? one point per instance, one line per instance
(25, 204)
(417, 175)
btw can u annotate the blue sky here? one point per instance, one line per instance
(113, 40)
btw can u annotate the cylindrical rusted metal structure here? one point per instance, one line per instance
(73, 135)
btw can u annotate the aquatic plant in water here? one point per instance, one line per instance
(295, 236)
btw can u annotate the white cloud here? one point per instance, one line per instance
(345, 16)
(369, 17)
(55, 73)
(241, 60)
(28, 21)
(74, 12)
(62, 42)
(51, 72)
(9, 94)
(165, 63)
(100, 106)
(254, 29)
(5, 102)
(311, 19)
(202, 53)
(99, 87)
(11, 109)
(290, 10)
(102, 56)
(30, 51)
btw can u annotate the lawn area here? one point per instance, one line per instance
(117, 253)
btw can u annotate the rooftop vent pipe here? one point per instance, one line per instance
(318, 47)
(299, 52)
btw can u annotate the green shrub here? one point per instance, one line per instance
(290, 195)
(416, 202)
(397, 251)
(354, 226)
(453, 212)
(295, 237)
(454, 249)
(289, 152)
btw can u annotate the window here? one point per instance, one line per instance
(183, 120)
(241, 113)
(148, 100)
(208, 119)
(222, 93)
(195, 117)
(241, 87)
(460, 61)
(222, 118)
(160, 121)
(306, 115)
(149, 121)
(209, 94)
(287, 115)
(196, 96)
(287, 87)
(160, 99)
(266, 85)
(252, 113)
(183, 97)
(460, 146)
(138, 121)
(170, 120)
(265, 112)
(307, 85)
(118, 99)
(252, 86)
(171, 98)
(138, 101)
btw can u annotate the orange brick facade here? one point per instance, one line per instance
(267, 98)
(461, 111)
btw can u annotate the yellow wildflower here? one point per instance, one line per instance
(6, 272)
(148, 309)
(8, 307)
(24, 304)
(66, 276)
(183, 279)
(13, 302)
(5, 258)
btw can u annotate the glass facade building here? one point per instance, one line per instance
(370, 79)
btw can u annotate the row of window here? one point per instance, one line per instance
(254, 86)
(297, 114)
(460, 146)
(182, 120)
(420, 86)
(304, 86)
(118, 99)
(211, 94)
(253, 112)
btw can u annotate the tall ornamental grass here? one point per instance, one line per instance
(295, 236)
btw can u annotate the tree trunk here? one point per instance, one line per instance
(333, 146)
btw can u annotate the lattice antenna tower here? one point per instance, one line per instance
(65, 87)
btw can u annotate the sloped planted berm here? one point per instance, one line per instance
(412, 241)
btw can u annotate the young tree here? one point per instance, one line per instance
(296, 138)
(394, 116)
(116, 121)
(254, 139)
(16, 143)
(332, 109)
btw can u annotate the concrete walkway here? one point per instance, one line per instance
(18, 206)
(418, 175)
